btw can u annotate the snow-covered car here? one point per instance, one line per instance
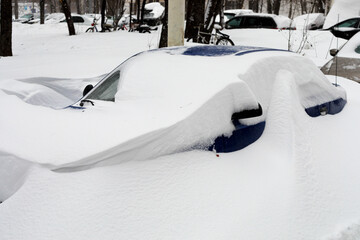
(260, 20)
(153, 14)
(25, 18)
(346, 29)
(140, 111)
(229, 14)
(79, 19)
(310, 21)
(346, 61)
(151, 113)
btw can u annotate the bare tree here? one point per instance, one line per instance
(269, 6)
(103, 9)
(254, 5)
(16, 9)
(277, 4)
(42, 11)
(194, 18)
(6, 28)
(142, 11)
(164, 30)
(69, 21)
(116, 10)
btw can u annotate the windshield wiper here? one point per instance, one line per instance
(86, 100)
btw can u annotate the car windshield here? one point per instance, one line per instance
(350, 23)
(107, 89)
(357, 49)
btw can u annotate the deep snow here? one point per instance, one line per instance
(298, 181)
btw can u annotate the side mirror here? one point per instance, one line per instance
(217, 26)
(87, 89)
(333, 52)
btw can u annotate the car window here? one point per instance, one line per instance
(234, 23)
(107, 89)
(77, 19)
(357, 50)
(267, 22)
(354, 23)
(251, 22)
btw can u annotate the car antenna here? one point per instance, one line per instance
(336, 57)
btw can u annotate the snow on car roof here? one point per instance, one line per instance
(167, 101)
(352, 48)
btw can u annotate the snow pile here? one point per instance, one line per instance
(342, 10)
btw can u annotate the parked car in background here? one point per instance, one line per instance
(229, 14)
(346, 29)
(311, 21)
(25, 18)
(346, 61)
(153, 14)
(79, 19)
(258, 20)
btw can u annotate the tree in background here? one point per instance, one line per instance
(42, 11)
(103, 8)
(195, 13)
(69, 21)
(6, 28)
(16, 9)
(116, 10)
(164, 30)
(214, 8)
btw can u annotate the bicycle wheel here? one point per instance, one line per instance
(90, 29)
(224, 41)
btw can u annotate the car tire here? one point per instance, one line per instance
(224, 41)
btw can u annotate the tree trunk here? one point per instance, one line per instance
(16, 9)
(213, 9)
(6, 28)
(142, 11)
(164, 30)
(290, 9)
(194, 18)
(254, 5)
(42, 11)
(138, 10)
(269, 6)
(78, 8)
(277, 6)
(130, 18)
(240, 4)
(103, 8)
(69, 21)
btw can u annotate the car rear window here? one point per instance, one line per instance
(267, 22)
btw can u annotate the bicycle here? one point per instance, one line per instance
(93, 27)
(217, 38)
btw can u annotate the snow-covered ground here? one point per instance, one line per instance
(298, 181)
